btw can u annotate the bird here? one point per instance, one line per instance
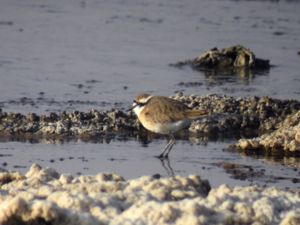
(164, 115)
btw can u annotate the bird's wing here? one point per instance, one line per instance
(164, 109)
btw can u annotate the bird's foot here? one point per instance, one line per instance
(162, 156)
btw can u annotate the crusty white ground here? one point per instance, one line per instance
(286, 137)
(43, 195)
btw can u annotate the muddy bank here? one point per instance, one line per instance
(276, 122)
(231, 116)
(227, 117)
(81, 124)
(44, 196)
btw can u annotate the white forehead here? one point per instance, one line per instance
(144, 99)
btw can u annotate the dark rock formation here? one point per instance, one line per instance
(228, 58)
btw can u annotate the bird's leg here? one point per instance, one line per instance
(172, 142)
(167, 149)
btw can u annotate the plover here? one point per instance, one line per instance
(164, 115)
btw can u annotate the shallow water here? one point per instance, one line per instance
(133, 159)
(76, 55)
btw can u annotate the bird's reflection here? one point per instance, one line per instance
(166, 164)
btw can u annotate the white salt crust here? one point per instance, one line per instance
(286, 137)
(43, 196)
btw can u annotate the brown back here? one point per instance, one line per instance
(160, 109)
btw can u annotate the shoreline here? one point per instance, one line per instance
(249, 119)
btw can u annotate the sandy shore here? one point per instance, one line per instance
(43, 196)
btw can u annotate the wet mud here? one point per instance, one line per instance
(227, 117)
(251, 173)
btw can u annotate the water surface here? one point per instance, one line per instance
(76, 55)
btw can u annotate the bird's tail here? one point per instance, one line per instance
(195, 114)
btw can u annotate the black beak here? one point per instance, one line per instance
(132, 107)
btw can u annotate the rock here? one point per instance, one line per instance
(236, 56)
(32, 117)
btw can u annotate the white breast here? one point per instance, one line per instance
(167, 128)
(137, 109)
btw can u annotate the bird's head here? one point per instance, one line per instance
(139, 103)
